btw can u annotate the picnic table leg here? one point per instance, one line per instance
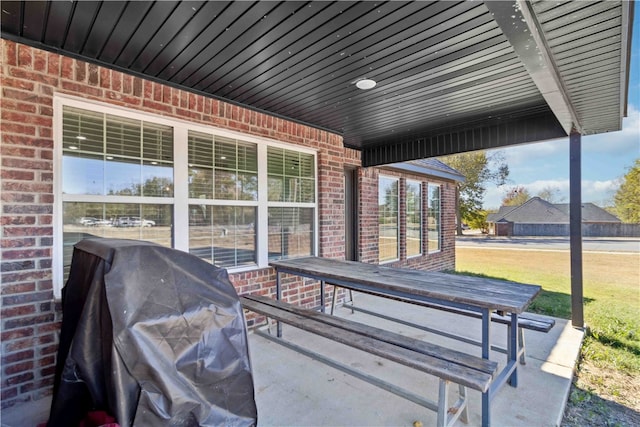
(512, 348)
(279, 298)
(486, 336)
(322, 296)
(486, 346)
(486, 416)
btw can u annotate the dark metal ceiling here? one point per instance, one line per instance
(451, 76)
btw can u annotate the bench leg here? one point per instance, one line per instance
(464, 416)
(522, 347)
(459, 410)
(333, 299)
(443, 403)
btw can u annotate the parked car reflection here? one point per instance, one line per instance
(133, 221)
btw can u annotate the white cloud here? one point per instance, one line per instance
(546, 164)
(598, 192)
(526, 155)
(623, 143)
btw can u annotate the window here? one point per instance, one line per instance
(291, 178)
(234, 200)
(414, 218)
(388, 221)
(117, 179)
(433, 218)
(223, 199)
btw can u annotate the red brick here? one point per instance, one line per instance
(33, 76)
(53, 64)
(46, 361)
(26, 163)
(137, 87)
(26, 141)
(28, 321)
(23, 186)
(50, 327)
(78, 88)
(10, 51)
(28, 209)
(105, 78)
(17, 83)
(16, 334)
(121, 82)
(18, 311)
(66, 67)
(25, 58)
(17, 357)
(17, 128)
(17, 219)
(50, 349)
(18, 367)
(80, 71)
(17, 198)
(50, 370)
(28, 231)
(19, 379)
(156, 106)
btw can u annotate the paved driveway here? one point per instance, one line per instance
(589, 244)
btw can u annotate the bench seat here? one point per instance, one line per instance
(446, 364)
(525, 321)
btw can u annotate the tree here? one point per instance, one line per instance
(627, 198)
(551, 194)
(479, 221)
(516, 196)
(479, 169)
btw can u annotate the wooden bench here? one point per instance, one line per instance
(525, 321)
(446, 364)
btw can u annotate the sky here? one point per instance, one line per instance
(606, 158)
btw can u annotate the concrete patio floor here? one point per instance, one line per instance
(295, 390)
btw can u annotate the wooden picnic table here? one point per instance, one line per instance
(478, 294)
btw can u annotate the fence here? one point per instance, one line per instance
(588, 230)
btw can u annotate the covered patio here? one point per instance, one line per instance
(294, 390)
(439, 77)
(395, 81)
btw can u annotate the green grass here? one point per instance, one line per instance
(611, 286)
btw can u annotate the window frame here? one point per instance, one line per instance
(180, 199)
(420, 217)
(439, 223)
(397, 182)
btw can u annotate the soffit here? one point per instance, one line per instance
(448, 78)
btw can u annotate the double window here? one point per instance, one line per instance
(233, 200)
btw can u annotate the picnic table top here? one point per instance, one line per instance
(479, 292)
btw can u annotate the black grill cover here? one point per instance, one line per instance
(153, 336)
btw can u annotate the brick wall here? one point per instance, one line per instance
(30, 316)
(368, 226)
(30, 77)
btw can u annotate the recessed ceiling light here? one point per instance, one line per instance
(81, 138)
(73, 147)
(365, 84)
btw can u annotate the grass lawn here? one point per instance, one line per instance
(610, 357)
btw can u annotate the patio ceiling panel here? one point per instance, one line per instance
(590, 41)
(450, 75)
